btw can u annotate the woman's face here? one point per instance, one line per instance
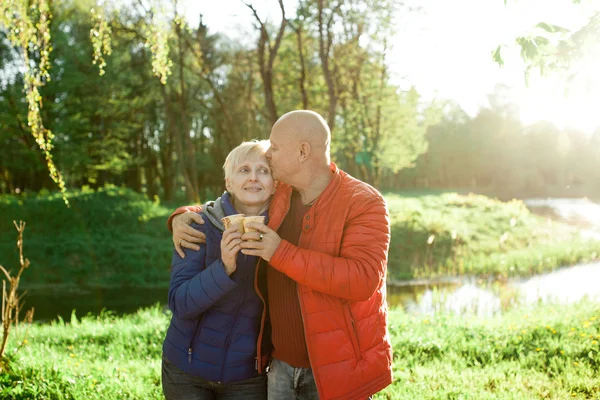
(251, 182)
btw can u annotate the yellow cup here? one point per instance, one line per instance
(255, 218)
(234, 219)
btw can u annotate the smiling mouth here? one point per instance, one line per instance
(253, 189)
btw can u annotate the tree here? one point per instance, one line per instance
(115, 123)
(28, 23)
(28, 26)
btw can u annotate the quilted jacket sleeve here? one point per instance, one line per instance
(181, 210)
(194, 286)
(361, 266)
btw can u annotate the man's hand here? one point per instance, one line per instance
(262, 243)
(184, 235)
(230, 246)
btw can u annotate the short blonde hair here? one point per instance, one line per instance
(246, 150)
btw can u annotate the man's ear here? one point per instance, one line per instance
(304, 151)
(228, 184)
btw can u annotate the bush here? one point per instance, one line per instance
(112, 236)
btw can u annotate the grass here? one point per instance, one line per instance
(451, 234)
(115, 237)
(544, 352)
(547, 352)
(103, 357)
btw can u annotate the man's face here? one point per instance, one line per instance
(282, 156)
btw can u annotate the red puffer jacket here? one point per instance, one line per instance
(340, 267)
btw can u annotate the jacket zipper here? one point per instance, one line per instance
(232, 325)
(258, 359)
(192, 339)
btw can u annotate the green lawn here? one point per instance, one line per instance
(543, 352)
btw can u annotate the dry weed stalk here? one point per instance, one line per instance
(11, 302)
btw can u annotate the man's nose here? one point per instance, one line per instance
(268, 154)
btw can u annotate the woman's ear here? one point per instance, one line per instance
(275, 184)
(228, 184)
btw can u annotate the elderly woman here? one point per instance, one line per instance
(212, 347)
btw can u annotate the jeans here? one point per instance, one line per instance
(290, 383)
(179, 385)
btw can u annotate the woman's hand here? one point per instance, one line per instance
(230, 246)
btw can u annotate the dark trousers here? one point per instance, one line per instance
(179, 385)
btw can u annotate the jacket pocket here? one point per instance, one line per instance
(351, 329)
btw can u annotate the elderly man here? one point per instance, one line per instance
(325, 256)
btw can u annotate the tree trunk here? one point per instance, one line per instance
(325, 43)
(302, 80)
(266, 65)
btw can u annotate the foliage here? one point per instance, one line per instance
(494, 152)
(550, 47)
(157, 33)
(28, 24)
(122, 127)
(100, 36)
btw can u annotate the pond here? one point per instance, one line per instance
(456, 295)
(485, 298)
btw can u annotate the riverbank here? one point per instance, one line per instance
(115, 237)
(541, 352)
(446, 234)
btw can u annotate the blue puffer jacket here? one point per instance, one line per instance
(216, 318)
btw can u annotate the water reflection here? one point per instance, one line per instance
(52, 303)
(478, 298)
(581, 213)
(457, 296)
(564, 286)
(466, 299)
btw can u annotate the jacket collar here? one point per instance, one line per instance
(280, 204)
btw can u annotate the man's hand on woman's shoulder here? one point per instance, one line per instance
(186, 236)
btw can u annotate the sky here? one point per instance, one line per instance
(444, 51)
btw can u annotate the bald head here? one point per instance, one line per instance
(304, 126)
(299, 152)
